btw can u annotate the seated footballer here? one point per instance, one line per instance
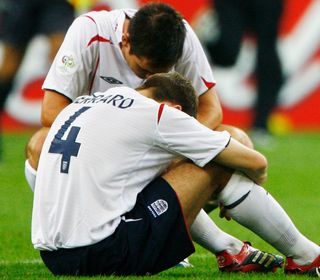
(105, 201)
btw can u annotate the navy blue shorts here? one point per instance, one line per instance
(20, 20)
(151, 237)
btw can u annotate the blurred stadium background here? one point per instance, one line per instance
(299, 47)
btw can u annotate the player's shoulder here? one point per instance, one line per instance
(113, 16)
(108, 23)
(191, 36)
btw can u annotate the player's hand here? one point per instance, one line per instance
(258, 176)
(224, 212)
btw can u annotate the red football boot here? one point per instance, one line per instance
(312, 269)
(249, 259)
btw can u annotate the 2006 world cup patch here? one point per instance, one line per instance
(67, 64)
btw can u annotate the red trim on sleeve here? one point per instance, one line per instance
(90, 18)
(99, 39)
(208, 84)
(160, 111)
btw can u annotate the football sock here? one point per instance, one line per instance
(30, 175)
(261, 213)
(206, 233)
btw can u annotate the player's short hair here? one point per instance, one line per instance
(174, 88)
(157, 32)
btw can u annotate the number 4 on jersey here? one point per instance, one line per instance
(68, 147)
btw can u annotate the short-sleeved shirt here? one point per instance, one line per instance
(90, 58)
(101, 151)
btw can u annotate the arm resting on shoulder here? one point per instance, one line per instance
(209, 109)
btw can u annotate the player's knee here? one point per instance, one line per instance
(34, 147)
(243, 138)
(237, 134)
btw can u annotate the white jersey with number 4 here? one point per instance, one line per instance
(101, 151)
(90, 58)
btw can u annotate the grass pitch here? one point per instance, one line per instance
(294, 177)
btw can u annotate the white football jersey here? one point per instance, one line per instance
(101, 151)
(90, 58)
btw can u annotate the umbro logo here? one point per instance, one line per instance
(111, 80)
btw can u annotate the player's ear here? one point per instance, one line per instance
(125, 39)
(179, 107)
(169, 103)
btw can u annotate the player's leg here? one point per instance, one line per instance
(237, 134)
(253, 207)
(193, 187)
(33, 150)
(34, 146)
(248, 258)
(150, 238)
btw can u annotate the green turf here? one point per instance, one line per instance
(294, 178)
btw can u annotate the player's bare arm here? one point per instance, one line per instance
(249, 161)
(210, 114)
(209, 110)
(52, 104)
(236, 133)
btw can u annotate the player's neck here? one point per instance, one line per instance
(147, 92)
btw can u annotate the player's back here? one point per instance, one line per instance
(93, 164)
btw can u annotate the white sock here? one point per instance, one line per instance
(206, 233)
(30, 175)
(262, 214)
(238, 187)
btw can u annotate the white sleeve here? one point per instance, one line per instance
(194, 64)
(181, 134)
(74, 64)
(30, 175)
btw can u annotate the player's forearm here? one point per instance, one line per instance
(210, 119)
(209, 109)
(242, 158)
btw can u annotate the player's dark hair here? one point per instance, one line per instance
(174, 88)
(157, 32)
